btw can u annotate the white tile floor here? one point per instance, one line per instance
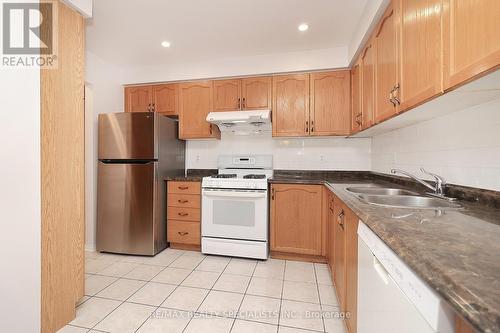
(183, 291)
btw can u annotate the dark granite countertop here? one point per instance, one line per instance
(193, 175)
(184, 178)
(457, 252)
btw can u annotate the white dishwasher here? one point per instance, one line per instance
(391, 297)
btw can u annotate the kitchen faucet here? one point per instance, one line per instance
(438, 189)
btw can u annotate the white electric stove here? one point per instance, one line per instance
(235, 207)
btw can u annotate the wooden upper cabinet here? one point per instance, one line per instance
(256, 93)
(420, 51)
(138, 99)
(166, 99)
(330, 110)
(227, 95)
(356, 113)
(195, 102)
(368, 85)
(296, 218)
(386, 65)
(471, 39)
(291, 105)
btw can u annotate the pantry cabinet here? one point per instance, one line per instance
(162, 98)
(291, 105)
(138, 99)
(471, 39)
(330, 103)
(242, 94)
(367, 85)
(195, 102)
(296, 220)
(387, 97)
(420, 52)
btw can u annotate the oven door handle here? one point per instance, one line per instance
(231, 194)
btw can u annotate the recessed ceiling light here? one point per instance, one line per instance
(303, 27)
(165, 44)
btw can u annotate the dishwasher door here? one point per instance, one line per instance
(383, 306)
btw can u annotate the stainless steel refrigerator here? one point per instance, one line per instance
(136, 152)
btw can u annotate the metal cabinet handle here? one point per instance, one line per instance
(340, 219)
(244, 102)
(239, 103)
(183, 214)
(391, 97)
(307, 126)
(183, 187)
(149, 107)
(183, 233)
(272, 193)
(153, 107)
(359, 120)
(312, 126)
(182, 201)
(396, 99)
(210, 129)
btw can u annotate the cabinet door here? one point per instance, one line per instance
(339, 251)
(367, 85)
(195, 103)
(471, 39)
(291, 105)
(386, 61)
(227, 95)
(138, 99)
(296, 219)
(356, 114)
(330, 233)
(351, 269)
(166, 99)
(256, 93)
(330, 107)
(420, 50)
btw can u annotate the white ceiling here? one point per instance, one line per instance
(129, 32)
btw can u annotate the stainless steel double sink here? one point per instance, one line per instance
(400, 198)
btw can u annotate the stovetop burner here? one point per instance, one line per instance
(255, 176)
(227, 175)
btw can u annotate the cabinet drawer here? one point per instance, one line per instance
(184, 187)
(183, 214)
(184, 200)
(183, 232)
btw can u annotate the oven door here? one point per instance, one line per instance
(235, 214)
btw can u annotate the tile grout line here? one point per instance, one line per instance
(319, 297)
(281, 296)
(129, 296)
(177, 286)
(243, 298)
(209, 291)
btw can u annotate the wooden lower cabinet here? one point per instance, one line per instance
(184, 214)
(296, 221)
(342, 257)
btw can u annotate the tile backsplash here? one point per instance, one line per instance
(289, 153)
(463, 147)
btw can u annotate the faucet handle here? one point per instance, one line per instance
(438, 178)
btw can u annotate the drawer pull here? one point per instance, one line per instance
(183, 187)
(183, 233)
(182, 214)
(182, 201)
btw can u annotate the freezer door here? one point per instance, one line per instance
(125, 208)
(127, 136)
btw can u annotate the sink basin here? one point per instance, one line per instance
(380, 191)
(408, 201)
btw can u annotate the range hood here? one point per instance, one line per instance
(242, 122)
